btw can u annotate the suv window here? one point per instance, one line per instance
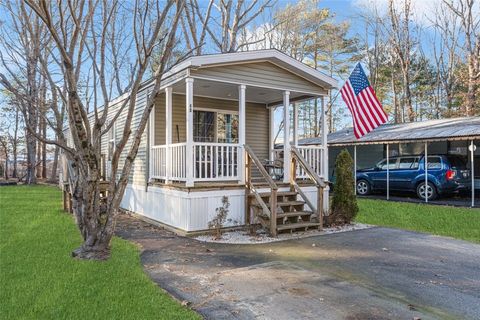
(407, 163)
(393, 164)
(434, 163)
(457, 162)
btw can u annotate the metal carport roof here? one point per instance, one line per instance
(466, 128)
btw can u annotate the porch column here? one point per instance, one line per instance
(151, 139)
(271, 140)
(295, 124)
(326, 192)
(286, 136)
(168, 131)
(241, 132)
(189, 154)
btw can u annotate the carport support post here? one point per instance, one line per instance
(388, 171)
(425, 164)
(355, 168)
(472, 171)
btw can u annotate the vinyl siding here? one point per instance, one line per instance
(257, 126)
(259, 74)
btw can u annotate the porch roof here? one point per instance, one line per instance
(272, 55)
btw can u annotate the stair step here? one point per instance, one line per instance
(283, 203)
(294, 214)
(290, 203)
(279, 194)
(299, 225)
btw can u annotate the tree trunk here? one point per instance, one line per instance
(53, 174)
(31, 143)
(470, 103)
(44, 149)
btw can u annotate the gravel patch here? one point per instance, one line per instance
(243, 237)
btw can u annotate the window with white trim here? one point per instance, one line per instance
(215, 126)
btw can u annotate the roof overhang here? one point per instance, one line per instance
(272, 55)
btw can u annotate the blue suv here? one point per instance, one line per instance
(447, 174)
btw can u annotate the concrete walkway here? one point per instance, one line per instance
(376, 273)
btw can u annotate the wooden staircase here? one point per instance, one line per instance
(291, 213)
(281, 211)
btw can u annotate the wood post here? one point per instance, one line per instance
(293, 173)
(168, 131)
(320, 207)
(248, 179)
(273, 212)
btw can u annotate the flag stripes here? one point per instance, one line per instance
(367, 112)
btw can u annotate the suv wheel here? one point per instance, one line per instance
(363, 187)
(430, 190)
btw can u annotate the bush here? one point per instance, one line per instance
(344, 203)
(216, 224)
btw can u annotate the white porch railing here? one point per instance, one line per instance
(314, 157)
(216, 161)
(312, 154)
(176, 164)
(211, 161)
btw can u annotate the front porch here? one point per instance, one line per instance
(199, 128)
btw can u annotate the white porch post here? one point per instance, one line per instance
(295, 124)
(151, 138)
(326, 193)
(168, 131)
(189, 154)
(286, 136)
(241, 132)
(271, 145)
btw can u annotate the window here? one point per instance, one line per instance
(210, 126)
(434, 163)
(406, 163)
(227, 128)
(203, 126)
(393, 164)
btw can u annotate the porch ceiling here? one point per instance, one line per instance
(228, 91)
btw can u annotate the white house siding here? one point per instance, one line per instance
(190, 211)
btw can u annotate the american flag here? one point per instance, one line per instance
(367, 112)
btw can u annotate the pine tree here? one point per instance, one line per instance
(344, 204)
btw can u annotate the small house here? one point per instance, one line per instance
(211, 136)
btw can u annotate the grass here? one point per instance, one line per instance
(460, 223)
(39, 279)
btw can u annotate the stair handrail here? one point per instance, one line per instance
(260, 167)
(272, 211)
(319, 182)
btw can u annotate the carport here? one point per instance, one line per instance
(458, 136)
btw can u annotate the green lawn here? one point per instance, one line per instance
(461, 223)
(39, 279)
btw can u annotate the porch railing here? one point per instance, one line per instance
(211, 161)
(175, 168)
(313, 156)
(216, 161)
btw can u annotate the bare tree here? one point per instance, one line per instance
(402, 44)
(84, 35)
(467, 12)
(231, 20)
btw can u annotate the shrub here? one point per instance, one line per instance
(344, 203)
(220, 218)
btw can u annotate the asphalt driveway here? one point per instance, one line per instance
(376, 273)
